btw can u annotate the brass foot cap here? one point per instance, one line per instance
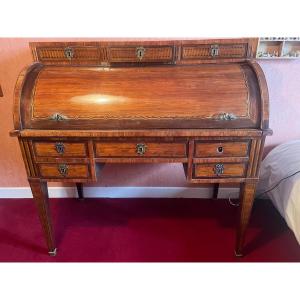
(53, 252)
(238, 254)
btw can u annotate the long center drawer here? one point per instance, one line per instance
(140, 149)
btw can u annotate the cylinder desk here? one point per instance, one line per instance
(199, 103)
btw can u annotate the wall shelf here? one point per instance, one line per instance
(278, 48)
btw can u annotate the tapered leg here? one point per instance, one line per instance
(216, 190)
(40, 196)
(247, 199)
(80, 190)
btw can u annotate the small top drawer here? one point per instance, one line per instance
(60, 149)
(139, 149)
(210, 51)
(133, 54)
(221, 149)
(68, 55)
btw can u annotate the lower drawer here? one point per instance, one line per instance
(143, 149)
(216, 170)
(63, 170)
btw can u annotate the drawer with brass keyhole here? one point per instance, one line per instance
(140, 149)
(222, 149)
(216, 170)
(64, 170)
(60, 149)
(139, 53)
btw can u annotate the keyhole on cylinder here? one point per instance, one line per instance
(220, 149)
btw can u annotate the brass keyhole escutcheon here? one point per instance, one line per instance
(60, 148)
(140, 52)
(63, 169)
(219, 169)
(214, 50)
(69, 53)
(220, 149)
(141, 149)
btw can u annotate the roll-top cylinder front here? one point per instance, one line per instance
(196, 96)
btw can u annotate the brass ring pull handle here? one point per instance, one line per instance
(69, 53)
(214, 50)
(60, 148)
(140, 52)
(141, 149)
(63, 169)
(219, 169)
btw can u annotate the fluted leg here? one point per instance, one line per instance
(247, 199)
(40, 196)
(79, 190)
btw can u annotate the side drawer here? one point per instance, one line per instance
(60, 149)
(151, 149)
(68, 55)
(133, 54)
(222, 149)
(216, 170)
(209, 51)
(63, 170)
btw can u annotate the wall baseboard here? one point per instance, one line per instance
(123, 192)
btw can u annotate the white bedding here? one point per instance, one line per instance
(281, 162)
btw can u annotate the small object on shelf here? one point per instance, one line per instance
(278, 47)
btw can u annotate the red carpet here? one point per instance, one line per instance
(143, 230)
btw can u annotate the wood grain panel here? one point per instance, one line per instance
(152, 54)
(204, 51)
(130, 97)
(221, 149)
(74, 171)
(70, 149)
(230, 170)
(112, 149)
(81, 55)
(211, 133)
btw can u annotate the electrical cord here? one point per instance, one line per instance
(277, 184)
(269, 190)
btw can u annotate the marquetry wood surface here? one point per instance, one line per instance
(211, 133)
(74, 171)
(221, 149)
(152, 54)
(204, 51)
(126, 149)
(112, 51)
(137, 93)
(69, 149)
(55, 55)
(230, 170)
